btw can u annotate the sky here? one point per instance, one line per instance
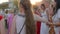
(34, 1)
(1, 1)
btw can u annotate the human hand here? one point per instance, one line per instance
(50, 24)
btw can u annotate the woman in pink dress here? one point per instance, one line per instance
(9, 20)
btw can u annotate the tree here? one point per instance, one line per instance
(3, 6)
(15, 2)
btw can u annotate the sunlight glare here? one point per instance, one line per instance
(1, 1)
(33, 2)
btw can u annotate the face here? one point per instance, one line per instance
(42, 8)
(47, 4)
(22, 9)
(54, 4)
(50, 11)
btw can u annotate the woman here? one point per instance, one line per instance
(44, 26)
(56, 17)
(38, 23)
(2, 25)
(18, 21)
(9, 17)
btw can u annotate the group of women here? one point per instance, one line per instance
(41, 16)
(53, 11)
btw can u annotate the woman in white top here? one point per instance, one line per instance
(44, 26)
(19, 20)
(56, 17)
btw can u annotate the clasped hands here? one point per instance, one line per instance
(52, 24)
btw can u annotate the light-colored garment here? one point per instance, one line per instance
(2, 26)
(44, 27)
(56, 18)
(19, 23)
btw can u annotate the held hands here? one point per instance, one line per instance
(50, 24)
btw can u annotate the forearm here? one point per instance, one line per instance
(57, 24)
(2, 26)
(38, 18)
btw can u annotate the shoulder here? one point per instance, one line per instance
(58, 10)
(58, 13)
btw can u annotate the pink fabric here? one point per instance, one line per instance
(9, 22)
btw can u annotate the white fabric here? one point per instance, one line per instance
(44, 28)
(58, 13)
(56, 18)
(19, 23)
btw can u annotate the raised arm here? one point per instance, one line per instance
(38, 18)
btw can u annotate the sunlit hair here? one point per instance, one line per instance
(42, 5)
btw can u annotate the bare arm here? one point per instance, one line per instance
(56, 24)
(2, 26)
(38, 18)
(58, 15)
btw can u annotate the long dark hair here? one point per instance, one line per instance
(29, 21)
(57, 6)
(42, 5)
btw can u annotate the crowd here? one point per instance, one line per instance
(14, 23)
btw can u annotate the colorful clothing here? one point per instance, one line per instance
(1, 17)
(9, 21)
(38, 27)
(38, 23)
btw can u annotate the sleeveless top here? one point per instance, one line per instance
(20, 19)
